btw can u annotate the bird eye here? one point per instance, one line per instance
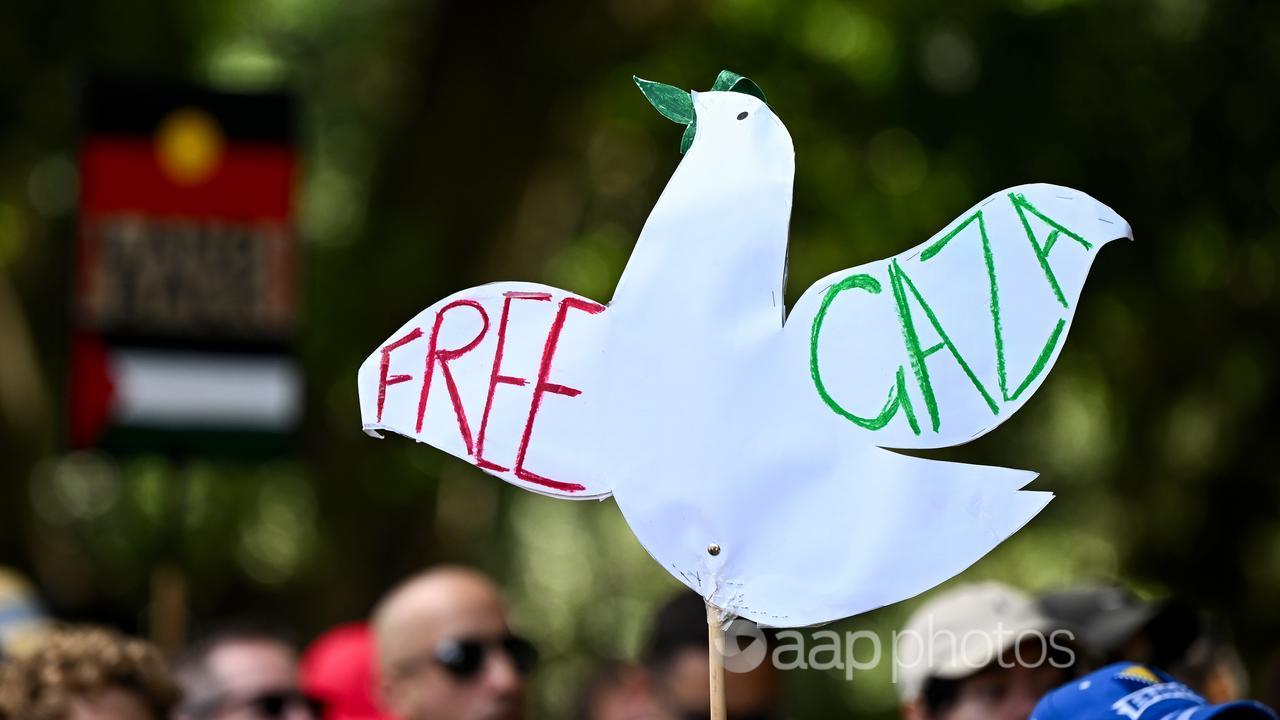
(742, 115)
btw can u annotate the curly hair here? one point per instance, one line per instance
(79, 661)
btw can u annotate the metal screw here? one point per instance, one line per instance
(713, 549)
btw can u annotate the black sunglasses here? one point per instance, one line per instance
(464, 657)
(273, 704)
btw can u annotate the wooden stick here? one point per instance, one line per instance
(715, 653)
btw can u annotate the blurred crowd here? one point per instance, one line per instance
(439, 646)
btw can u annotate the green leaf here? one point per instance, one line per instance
(733, 82)
(687, 139)
(674, 104)
(725, 80)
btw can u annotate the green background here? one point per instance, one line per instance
(449, 144)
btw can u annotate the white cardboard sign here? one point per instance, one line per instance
(716, 418)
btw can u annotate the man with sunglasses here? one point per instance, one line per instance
(677, 660)
(445, 651)
(243, 673)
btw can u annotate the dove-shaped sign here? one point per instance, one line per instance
(746, 446)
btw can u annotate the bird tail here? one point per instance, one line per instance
(886, 530)
(962, 513)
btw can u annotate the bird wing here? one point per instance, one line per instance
(504, 376)
(942, 343)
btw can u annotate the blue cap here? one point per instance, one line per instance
(1129, 691)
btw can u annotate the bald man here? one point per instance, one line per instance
(445, 651)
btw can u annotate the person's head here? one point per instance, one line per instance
(243, 673)
(87, 674)
(979, 652)
(1138, 692)
(445, 651)
(618, 691)
(678, 660)
(1113, 624)
(339, 669)
(22, 619)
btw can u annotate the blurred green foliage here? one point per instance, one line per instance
(448, 144)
